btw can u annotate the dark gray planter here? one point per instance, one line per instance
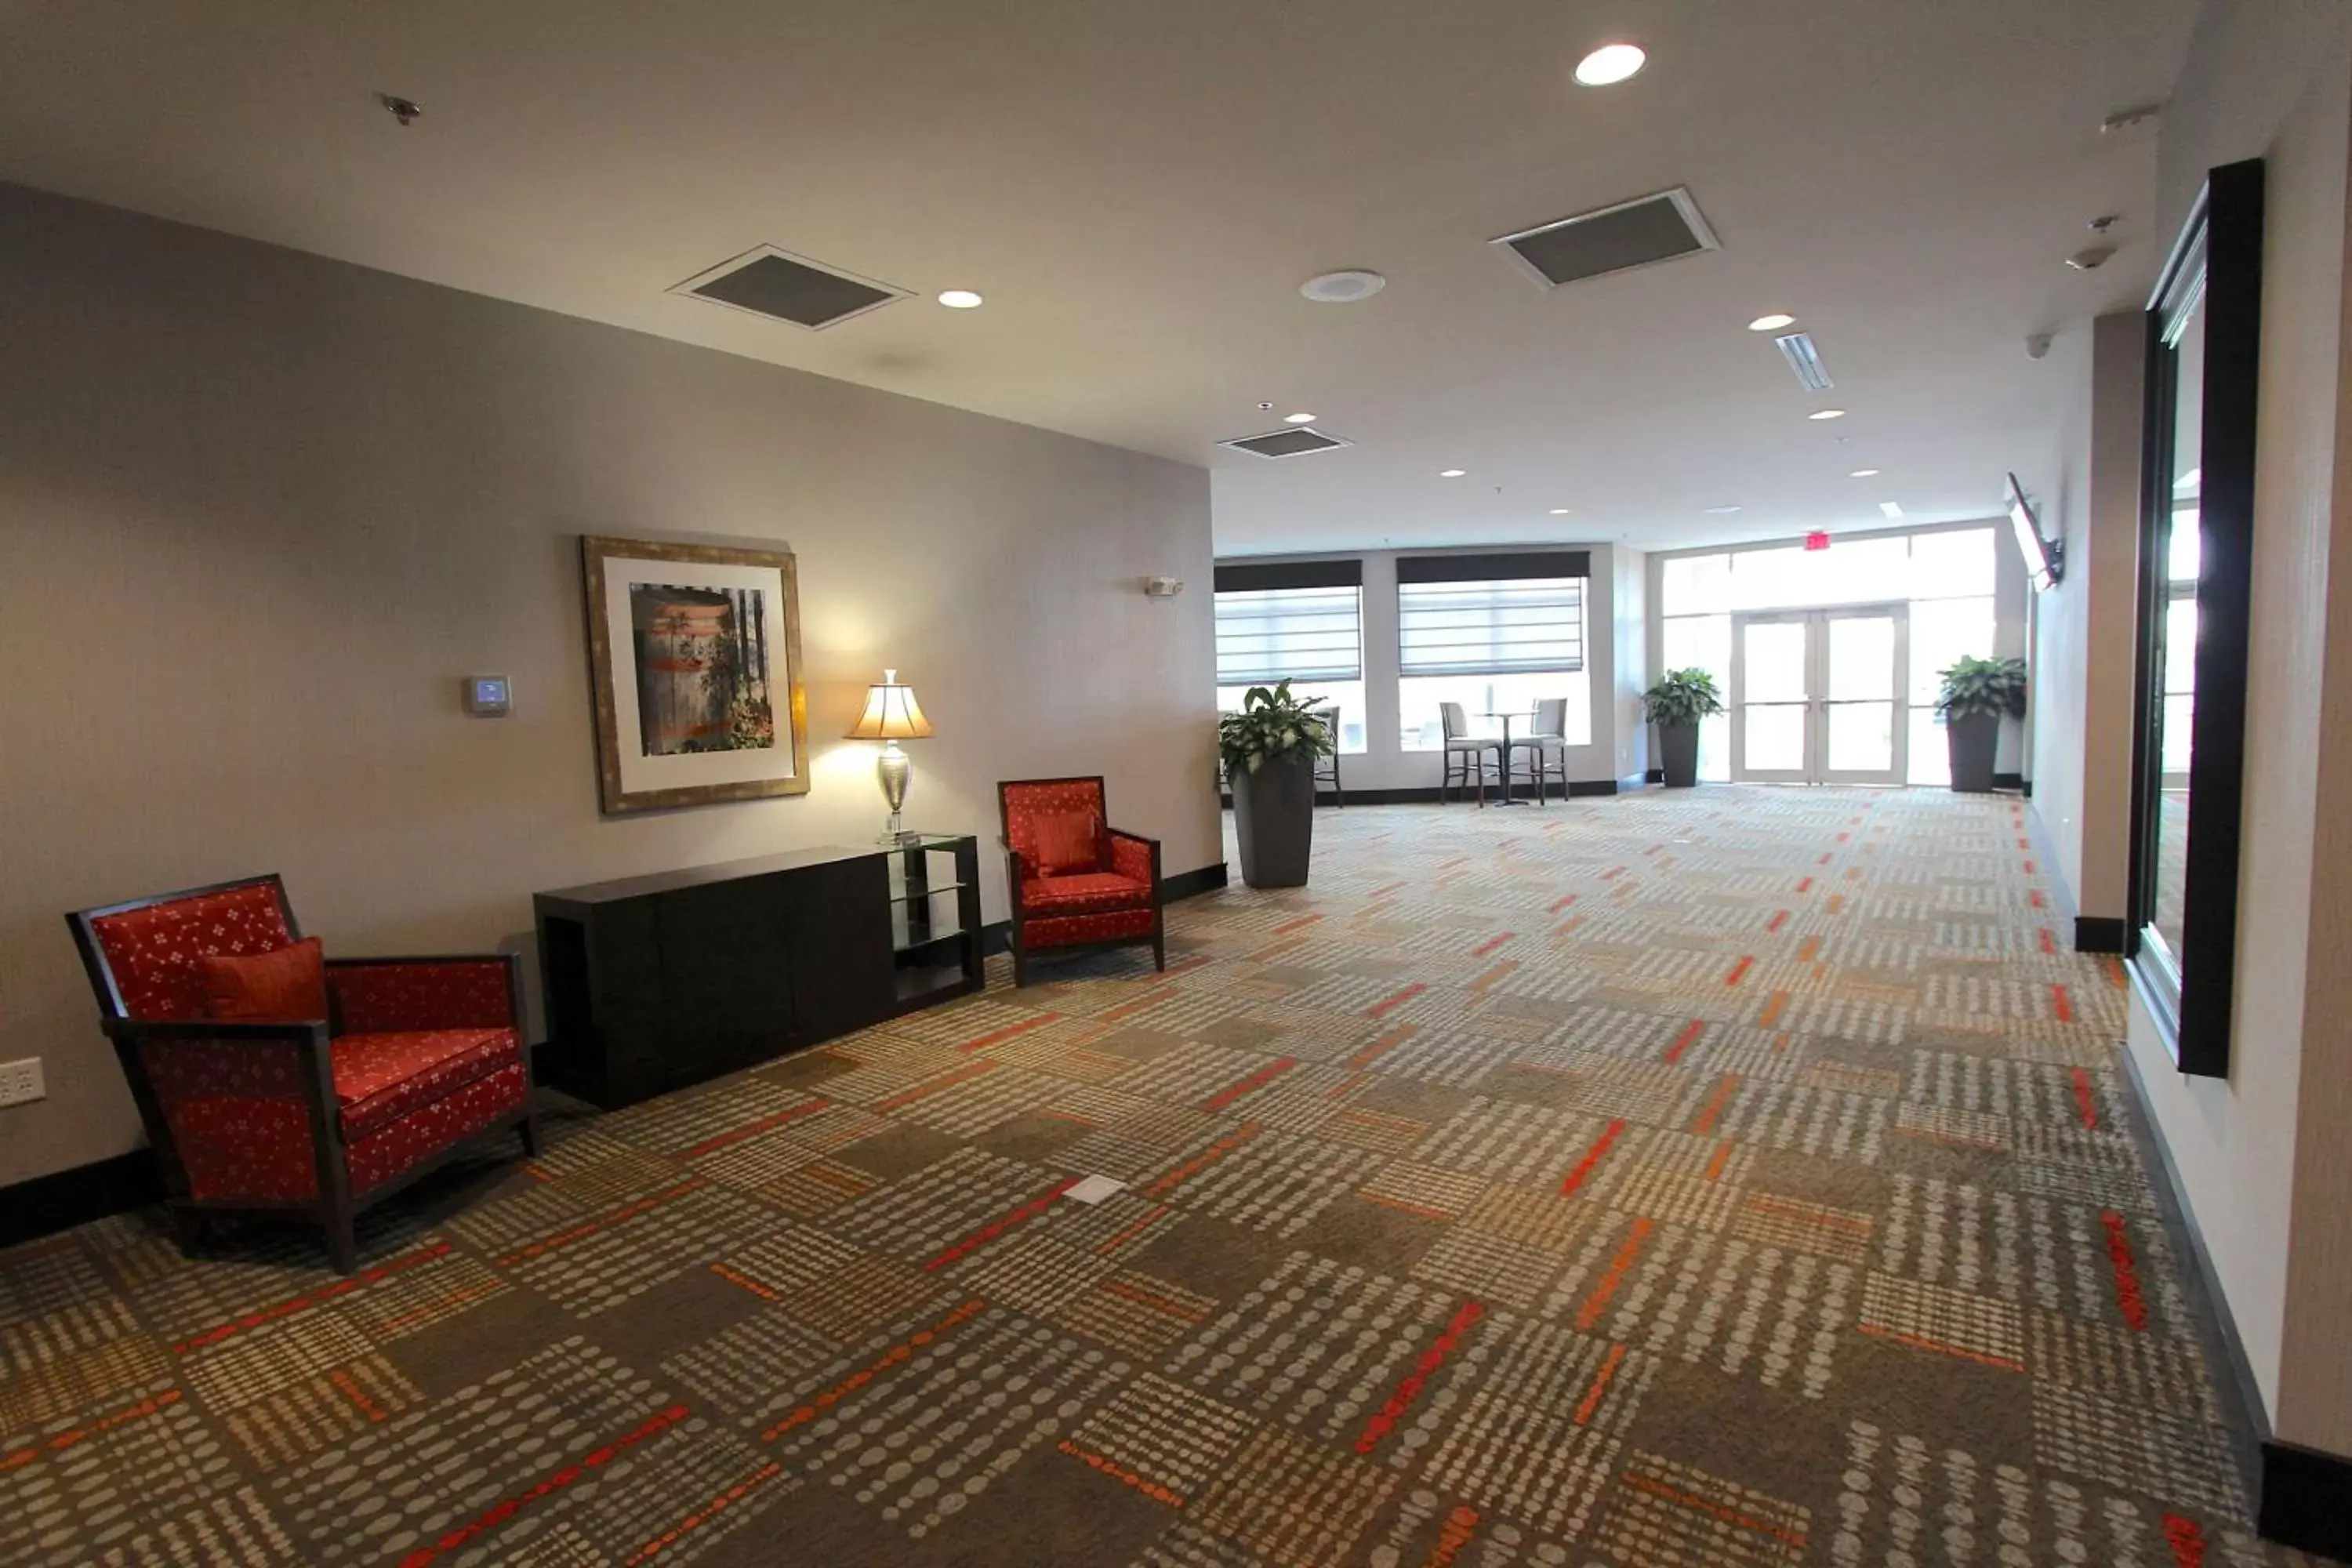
(1973, 740)
(1274, 817)
(1678, 754)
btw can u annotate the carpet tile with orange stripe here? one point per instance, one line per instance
(1730, 1177)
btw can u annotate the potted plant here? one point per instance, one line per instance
(1268, 751)
(1978, 694)
(1675, 705)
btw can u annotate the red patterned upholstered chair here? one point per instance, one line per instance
(1076, 882)
(310, 1116)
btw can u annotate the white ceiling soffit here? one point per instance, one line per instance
(1138, 196)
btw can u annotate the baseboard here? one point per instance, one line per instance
(2239, 1395)
(1632, 781)
(64, 1199)
(1655, 776)
(1193, 884)
(2010, 781)
(2100, 933)
(2302, 1493)
(1427, 795)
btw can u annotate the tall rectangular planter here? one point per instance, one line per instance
(1274, 818)
(1973, 741)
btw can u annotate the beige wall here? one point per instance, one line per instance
(260, 512)
(2267, 1156)
(2081, 718)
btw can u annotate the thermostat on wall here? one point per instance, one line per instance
(487, 696)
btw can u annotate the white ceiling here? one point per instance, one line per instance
(1138, 187)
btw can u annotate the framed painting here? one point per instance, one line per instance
(695, 652)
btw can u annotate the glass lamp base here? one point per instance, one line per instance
(893, 769)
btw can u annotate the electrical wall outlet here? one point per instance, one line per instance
(21, 1082)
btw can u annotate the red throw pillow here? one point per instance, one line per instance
(1067, 841)
(290, 983)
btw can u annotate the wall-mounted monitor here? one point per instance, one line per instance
(2045, 559)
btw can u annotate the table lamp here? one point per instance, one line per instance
(891, 715)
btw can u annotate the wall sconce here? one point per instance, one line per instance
(1162, 587)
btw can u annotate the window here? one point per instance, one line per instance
(1945, 578)
(1480, 695)
(1503, 627)
(1496, 633)
(1295, 621)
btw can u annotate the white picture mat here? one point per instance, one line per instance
(640, 772)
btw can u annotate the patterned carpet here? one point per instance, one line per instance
(1737, 1177)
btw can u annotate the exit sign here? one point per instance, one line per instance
(1817, 540)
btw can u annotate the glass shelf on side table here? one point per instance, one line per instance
(935, 929)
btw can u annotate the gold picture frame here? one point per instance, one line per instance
(694, 651)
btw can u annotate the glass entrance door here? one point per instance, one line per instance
(1817, 696)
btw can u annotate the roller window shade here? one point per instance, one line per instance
(1495, 566)
(1266, 636)
(1502, 627)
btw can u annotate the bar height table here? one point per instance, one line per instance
(1505, 743)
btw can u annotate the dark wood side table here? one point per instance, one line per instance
(653, 982)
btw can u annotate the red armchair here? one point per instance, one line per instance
(1076, 882)
(322, 1116)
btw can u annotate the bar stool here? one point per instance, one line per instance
(1548, 739)
(1329, 767)
(1467, 756)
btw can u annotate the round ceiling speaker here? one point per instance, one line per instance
(1343, 287)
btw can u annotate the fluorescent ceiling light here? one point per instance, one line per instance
(1610, 63)
(1560, 511)
(960, 300)
(1826, 414)
(1862, 473)
(1892, 510)
(1298, 420)
(1721, 510)
(1771, 323)
(1451, 473)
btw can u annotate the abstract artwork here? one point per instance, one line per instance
(695, 653)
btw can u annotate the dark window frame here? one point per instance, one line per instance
(2218, 260)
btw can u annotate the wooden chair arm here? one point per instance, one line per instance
(311, 1032)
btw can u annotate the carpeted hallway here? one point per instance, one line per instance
(1737, 1177)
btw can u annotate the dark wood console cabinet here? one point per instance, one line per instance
(655, 981)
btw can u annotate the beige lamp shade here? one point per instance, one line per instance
(891, 713)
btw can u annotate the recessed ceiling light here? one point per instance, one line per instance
(960, 300)
(1560, 511)
(1610, 63)
(1771, 323)
(1721, 510)
(1343, 287)
(1826, 414)
(1298, 420)
(1892, 510)
(1451, 473)
(1862, 473)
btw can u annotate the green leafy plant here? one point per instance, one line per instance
(1682, 697)
(1974, 687)
(1272, 726)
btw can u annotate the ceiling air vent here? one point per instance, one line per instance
(787, 288)
(1804, 359)
(1296, 441)
(1612, 239)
